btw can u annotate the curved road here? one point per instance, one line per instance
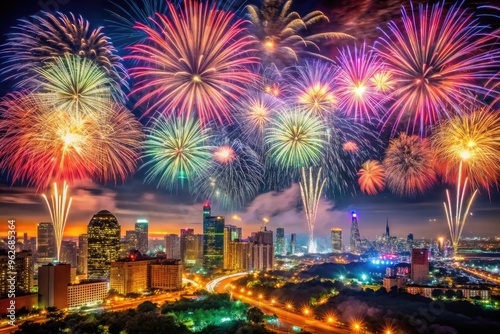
(287, 318)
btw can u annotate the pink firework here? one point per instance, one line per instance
(196, 60)
(224, 154)
(358, 91)
(439, 59)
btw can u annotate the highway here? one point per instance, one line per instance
(495, 279)
(287, 318)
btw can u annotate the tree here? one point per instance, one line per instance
(436, 293)
(147, 306)
(255, 315)
(450, 294)
(459, 294)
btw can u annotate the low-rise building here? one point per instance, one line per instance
(87, 293)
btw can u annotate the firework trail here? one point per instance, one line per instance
(371, 177)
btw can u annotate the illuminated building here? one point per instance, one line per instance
(142, 229)
(239, 256)
(280, 241)
(466, 292)
(166, 274)
(191, 247)
(355, 241)
(419, 265)
(132, 240)
(389, 282)
(230, 234)
(87, 293)
(172, 246)
(53, 281)
(82, 254)
(264, 237)
(336, 240)
(103, 234)
(130, 275)
(213, 239)
(440, 241)
(45, 243)
(261, 257)
(68, 252)
(293, 243)
(23, 273)
(387, 231)
(187, 238)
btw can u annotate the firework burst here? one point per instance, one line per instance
(231, 181)
(177, 149)
(35, 42)
(195, 61)
(371, 177)
(295, 139)
(283, 34)
(359, 93)
(314, 88)
(73, 84)
(310, 192)
(40, 145)
(409, 166)
(474, 139)
(439, 59)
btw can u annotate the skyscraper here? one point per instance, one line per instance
(172, 246)
(22, 271)
(68, 252)
(142, 229)
(419, 265)
(230, 234)
(387, 231)
(46, 242)
(355, 237)
(103, 233)
(187, 235)
(213, 239)
(293, 243)
(336, 240)
(280, 241)
(132, 240)
(82, 254)
(53, 281)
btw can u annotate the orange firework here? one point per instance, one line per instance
(371, 177)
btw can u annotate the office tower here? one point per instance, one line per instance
(230, 234)
(130, 276)
(239, 255)
(355, 237)
(187, 238)
(261, 257)
(22, 271)
(419, 265)
(409, 242)
(103, 233)
(280, 241)
(213, 239)
(440, 243)
(68, 253)
(172, 246)
(82, 254)
(132, 240)
(293, 243)
(336, 240)
(53, 281)
(142, 228)
(166, 274)
(387, 231)
(46, 243)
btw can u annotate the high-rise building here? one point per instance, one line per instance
(230, 234)
(261, 257)
(336, 240)
(53, 281)
(293, 243)
(172, 246)
(46, 243)
(355, 241)
(82, 254)
(419, 265)
(409, 242)
(239, 255)
(387, 231)
(68, 252)
(22, 271)
(132, 240)
(264, 237)
(130, 275)
(191, 248)
(213, 239)
(166, 274)
(142, 229)
(103, 233)
(280, 246)
(187, 238)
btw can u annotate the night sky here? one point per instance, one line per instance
(167, 213)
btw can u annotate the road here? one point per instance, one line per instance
(489, 277)
(287, 317)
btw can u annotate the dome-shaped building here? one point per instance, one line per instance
(103, 232)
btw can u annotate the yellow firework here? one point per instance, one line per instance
(473, 139)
